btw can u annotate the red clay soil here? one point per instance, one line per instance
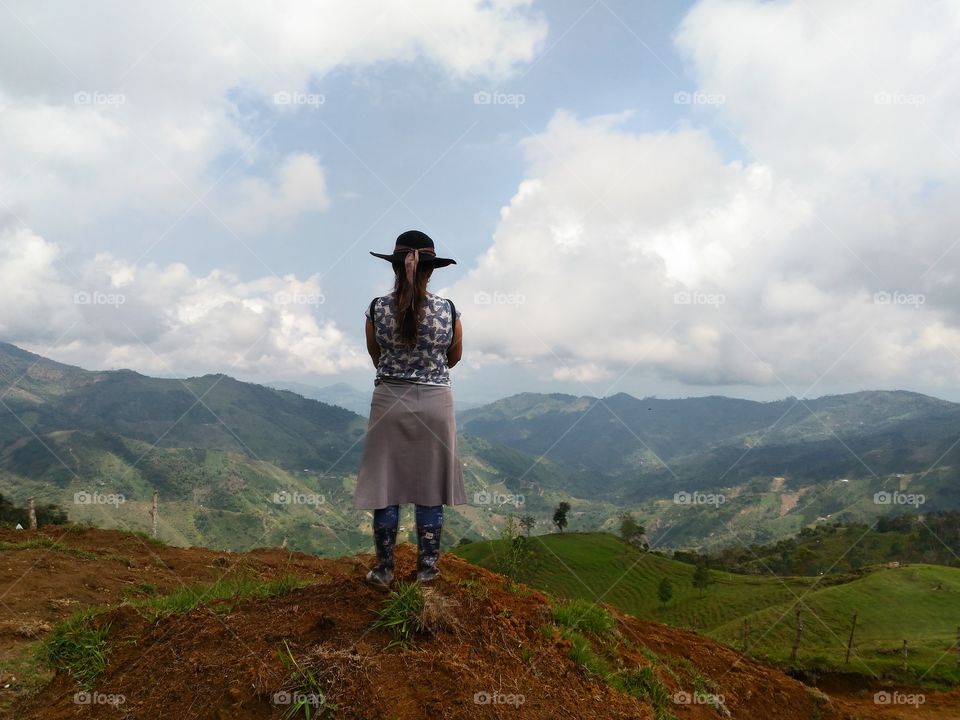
(222, 661)
(40, 587)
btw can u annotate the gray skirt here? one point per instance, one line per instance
(410, 449)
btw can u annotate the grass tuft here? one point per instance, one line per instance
(78, 645)
(643, 683)
(402, 614)
(45, 543)
(187, 598)
(583, 615)
(302, 691)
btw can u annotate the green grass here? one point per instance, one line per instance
(643, 683)
(187, 598)
(919, 603)
(45, 543)
(78, 645)
(600, 565)
(302, 689)
(477, 589)
(583, 654)
(579, 614)
(401, 613)
(893, 604)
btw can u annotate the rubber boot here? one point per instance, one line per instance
(428, 545)
(382, 574)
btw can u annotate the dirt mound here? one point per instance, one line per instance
(493, 652)
(47, 574)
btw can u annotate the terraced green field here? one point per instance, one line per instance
(917, 603)
(920, 603)
(599, 566)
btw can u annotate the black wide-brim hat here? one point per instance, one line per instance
(415, 240)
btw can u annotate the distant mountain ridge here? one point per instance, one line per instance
(625, 437)
(218, 450)
(347, 396)
(761, 471)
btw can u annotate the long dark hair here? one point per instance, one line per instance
(409, 319)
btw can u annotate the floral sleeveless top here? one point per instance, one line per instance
(427, 362)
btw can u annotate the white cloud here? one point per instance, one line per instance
(299, 186)
(134, 107)
(851, 91)
(849, 113)
(146, 111)
(106, 312)
(650, 252)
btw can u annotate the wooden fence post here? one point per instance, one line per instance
(31, 514)
(853, 626)
(153, 514)
(796, 640)
(905, 653)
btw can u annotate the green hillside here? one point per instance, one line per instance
(930, 538)
(920, 603)
(215, 447)
(218, 450)
(700, 438)
(600, 566)
(763, 510)
(917, 603)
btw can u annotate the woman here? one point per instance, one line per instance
(410, 450)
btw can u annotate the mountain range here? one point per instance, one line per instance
(347, 396)
(238, 465)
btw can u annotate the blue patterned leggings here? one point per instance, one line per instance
(427, 516)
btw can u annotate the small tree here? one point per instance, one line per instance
(560, 515)
(632, 532)
(517, 555)
(701, 578)
(665, 592)
(527, 522)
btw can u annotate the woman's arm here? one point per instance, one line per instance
(372, 347)
(456, 349)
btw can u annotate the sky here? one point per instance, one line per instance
(740, 197)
